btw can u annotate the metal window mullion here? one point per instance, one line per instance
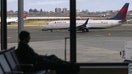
(3, 24)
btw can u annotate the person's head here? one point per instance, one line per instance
(24, 36)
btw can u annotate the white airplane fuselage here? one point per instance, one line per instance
(103, 23)
(11, 20)
(62, 24)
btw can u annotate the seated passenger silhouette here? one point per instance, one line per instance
(27, 55)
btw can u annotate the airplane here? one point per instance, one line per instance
(117, 20)
(11, 20)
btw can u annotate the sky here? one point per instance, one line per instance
(90, 5)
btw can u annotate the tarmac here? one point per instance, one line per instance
(95, 46)
(88, 49)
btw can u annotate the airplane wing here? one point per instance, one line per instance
(83, 27)
(61, 25)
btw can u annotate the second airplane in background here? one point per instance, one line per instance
(85, 25)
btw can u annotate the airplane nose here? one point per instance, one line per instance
(45, 25)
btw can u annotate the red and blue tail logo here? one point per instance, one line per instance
(122, 13)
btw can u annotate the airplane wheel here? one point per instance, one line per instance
(87, 30)
(83, 30)
(42, 30)
(51, 30)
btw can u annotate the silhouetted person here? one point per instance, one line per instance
(27, 55)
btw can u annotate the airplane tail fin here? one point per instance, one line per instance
(122, 13)
(25, 15)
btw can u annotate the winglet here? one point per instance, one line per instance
(86, 22)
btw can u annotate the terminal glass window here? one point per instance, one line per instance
(98, 39)
(45, 20)
(12, 23)
(106, 38)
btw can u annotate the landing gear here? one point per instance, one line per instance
(85, 30)
(51, 30)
